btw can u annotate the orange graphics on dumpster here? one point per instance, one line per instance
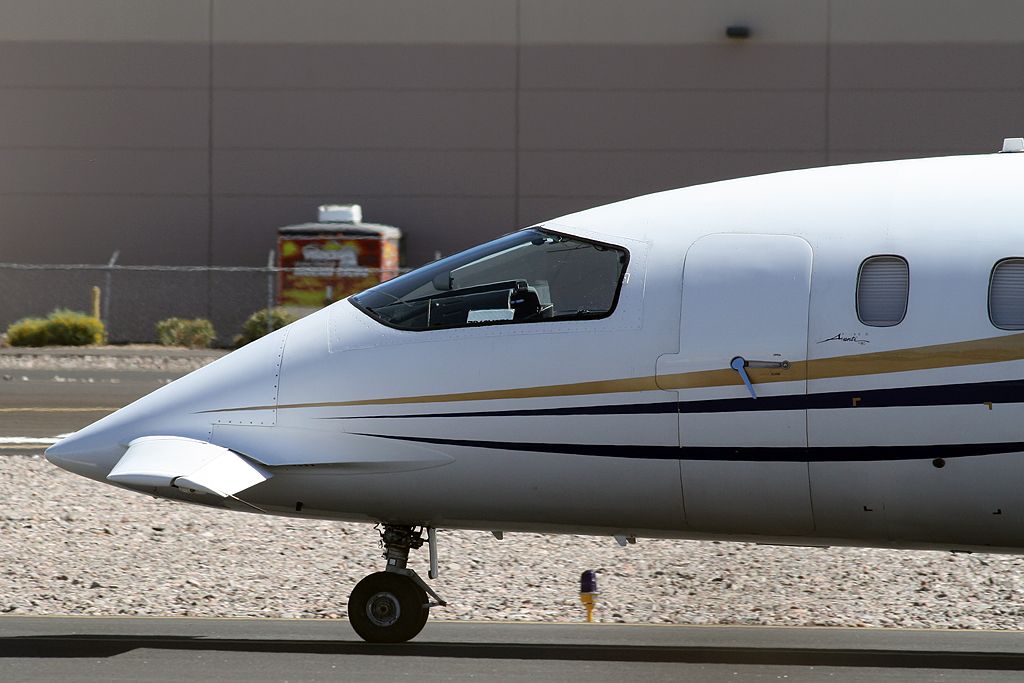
(327, 261)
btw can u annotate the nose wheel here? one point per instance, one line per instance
(387, 607)
(392, 606)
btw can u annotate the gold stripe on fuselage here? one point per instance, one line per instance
(975, 352)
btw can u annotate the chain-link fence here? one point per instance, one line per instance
(134, 298)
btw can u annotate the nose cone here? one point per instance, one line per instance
(242, 384)
(89, 455)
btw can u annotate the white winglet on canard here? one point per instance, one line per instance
(187, 464)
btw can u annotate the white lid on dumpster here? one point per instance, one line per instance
(340, 213)
(341, 220)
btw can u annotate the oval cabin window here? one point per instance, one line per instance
(883, 287)
(1006, 294)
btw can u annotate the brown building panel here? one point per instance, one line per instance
(658, 120)
(886, 66)
(368, 173)
(924, 121)
(722, 65)
(598, 173)
(88, 228)
(104, 65)
(98, 171)
(381, 119)
(361, 66)
(186, 132)
(104, 118)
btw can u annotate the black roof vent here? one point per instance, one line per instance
(739, 31)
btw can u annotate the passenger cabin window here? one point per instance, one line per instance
(1006, 294)
(883, 287)
(527, 277)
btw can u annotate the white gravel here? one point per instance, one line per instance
(72, 546)
(133, 357)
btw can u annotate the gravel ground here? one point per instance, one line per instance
(72, 546)
(133, 357)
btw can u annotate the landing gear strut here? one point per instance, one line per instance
(391, 606)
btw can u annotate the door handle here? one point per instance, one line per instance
(740, 365)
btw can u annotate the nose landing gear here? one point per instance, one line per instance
(391, 606)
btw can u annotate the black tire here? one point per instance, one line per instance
(387, 607)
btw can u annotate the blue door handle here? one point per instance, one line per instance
(740, 365)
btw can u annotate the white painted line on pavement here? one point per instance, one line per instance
(31, 440)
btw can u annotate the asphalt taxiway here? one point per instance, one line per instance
(36, 406)
(163, 649)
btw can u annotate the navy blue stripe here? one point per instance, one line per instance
(734, 453)
(1004, 391)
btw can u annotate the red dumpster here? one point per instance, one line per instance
(337, 256)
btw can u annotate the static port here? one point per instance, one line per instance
(939, 463)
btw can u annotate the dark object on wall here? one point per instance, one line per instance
(739, 31)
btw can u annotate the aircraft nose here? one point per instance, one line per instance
(186, 408)
(85, 454)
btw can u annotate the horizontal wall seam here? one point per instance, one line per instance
(264, 88)
(555, 88)
(109, 88)
(735, 151)
(337, 89)
(104, 148)
(253, 195)
(318, 148)
(1016, 88)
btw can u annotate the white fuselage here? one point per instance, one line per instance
(908, 435)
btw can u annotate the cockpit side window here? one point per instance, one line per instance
(529, 276)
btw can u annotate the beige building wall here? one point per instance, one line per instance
(187, 131)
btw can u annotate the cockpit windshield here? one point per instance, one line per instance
(529, 276)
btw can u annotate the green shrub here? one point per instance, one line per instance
(256, 325)
(60, 328)
(70, 328)
(27, 332)
(195, 334)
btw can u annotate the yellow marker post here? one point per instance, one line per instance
(588, 589)
(96, 302)
(588, 601)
